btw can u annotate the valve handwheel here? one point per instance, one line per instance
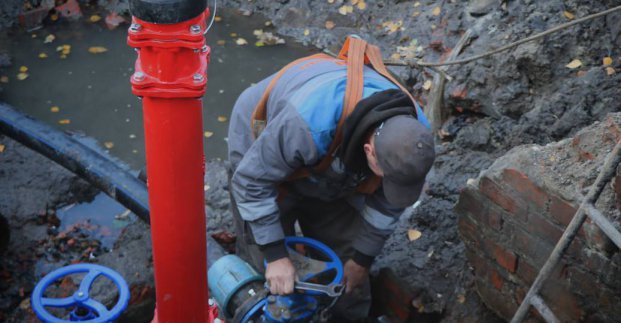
(81, 298)
(308, 267)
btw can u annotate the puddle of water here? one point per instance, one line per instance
(101, 219)
(93, 90)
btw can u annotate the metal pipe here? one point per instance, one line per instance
(170, 75)
(543, 309)
(78, 158)
(604, 224)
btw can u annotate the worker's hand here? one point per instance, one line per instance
(354, 275)
(280, 276)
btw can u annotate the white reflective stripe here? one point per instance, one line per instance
(379, 220)
(251, 211)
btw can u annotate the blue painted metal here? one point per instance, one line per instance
(81, 298)
(227, 276)
(332, 264)
(294, 308)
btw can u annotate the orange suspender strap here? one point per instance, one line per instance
(258, 120)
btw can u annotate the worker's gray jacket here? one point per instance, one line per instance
(302, 112)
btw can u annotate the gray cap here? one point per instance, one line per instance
(405, 152)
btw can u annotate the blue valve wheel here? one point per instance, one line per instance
(308, 267)
(81, 298)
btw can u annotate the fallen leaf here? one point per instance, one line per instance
(574, 64)
(268, 23)
(330, 1)
(427, 85)
(97, 50)
(259, 43)
(568, 15)
(257, 32)
(361, 5)
(108, 144)
(436, 11)
(392, 26)
(42, 55)
(64, 121)
(217, 19)
(22, 76)
(54, 109)
(414, 234)
(233, 35)
(461, 298)
(222, 119)
(23, 69)
(416, 13)
(2, 148)
(268, 38)
(94, 18)
(306, 32)
(221, 42)
(208, 134)
(54, 17)
(49, 38)
(63, 56)
(330, 24)
(610, 70)
(4, 79)
(607, 60)
(345, 9)
(417, 4)
(241, 41)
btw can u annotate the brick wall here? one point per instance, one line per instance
(511, 217)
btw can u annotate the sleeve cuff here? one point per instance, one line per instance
(274, 250)
(362, 259)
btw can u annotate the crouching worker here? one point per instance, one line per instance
(338, 146)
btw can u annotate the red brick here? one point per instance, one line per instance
(493, 191)
(468, 231)
(526, 189)
(502, 304)
(529, 247)
(494, 217)
(561, 210)
(506, 258)
(496, 280)
(540, 227)
(526, 272)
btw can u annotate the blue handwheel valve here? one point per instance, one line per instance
(84, 308)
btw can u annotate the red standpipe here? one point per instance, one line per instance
(170, 76)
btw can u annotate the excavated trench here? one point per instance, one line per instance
(527, 95)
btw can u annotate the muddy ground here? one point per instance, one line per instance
(521, 96)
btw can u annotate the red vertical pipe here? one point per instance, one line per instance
(174, 146)
(171, 78)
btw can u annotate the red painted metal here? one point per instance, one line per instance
(171, 77)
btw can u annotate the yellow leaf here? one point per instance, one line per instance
(23, 69)
(49, 38)
(233, 35)
(108, 144)
(610, 70)
(42, 55)
(362, 5)
(94, 18)
(395, 56)
(427, 85)
(257, 32)
(259, 43)
(64, 121)
(221, 42)
(217, 19)
(268, 23)
(63, 56)
(241, 41)
(574, 64)
(436, 11)
(306, 32)
(417, 4)
(345, 9)
(208, 134)
(414, 234)
(568, 15)
(4, 79)
(222, 119)
(54, 17)
(330, 24)
(22, 76)
(2, 148)
(97, 50)
(607, 60)
(392, 26)
(330, 1)
(54, 109)
(354, 2)
(416, 13)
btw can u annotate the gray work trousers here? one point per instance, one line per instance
(334, 223)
